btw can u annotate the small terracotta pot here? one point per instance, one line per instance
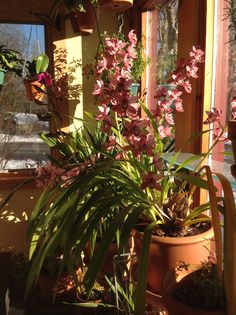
(116, 5)
(84, 22)
(54, 290)
(166, 252)
(35, 91)
(232, 137)
(174, 306)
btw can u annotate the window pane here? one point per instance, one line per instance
(20, 119)
(167, 37)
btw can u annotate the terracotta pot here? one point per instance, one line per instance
(84, 22)
(166, 252)
(54, 290)
(232, 137)
(35, 91)
(174, 306)
(116, 5)
(134, 88)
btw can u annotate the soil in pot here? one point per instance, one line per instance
(194, 290)
(167, 252)
(94, 303)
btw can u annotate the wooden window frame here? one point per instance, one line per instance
(192, 31)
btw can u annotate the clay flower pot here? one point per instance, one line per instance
(84, 22)
(56, 290)
(172, 279)
(232, 137)
(166, 252)
(35, 91)
(116, 5)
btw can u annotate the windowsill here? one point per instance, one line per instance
(11, 178)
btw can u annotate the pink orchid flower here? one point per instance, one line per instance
(165, 131)
(132, 37)
(45, 78)
(150, 180)
(213, 116)
(197, 55)
(98, 88)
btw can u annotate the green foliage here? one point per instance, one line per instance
(37, 65)
(139, 64)
(10, 60)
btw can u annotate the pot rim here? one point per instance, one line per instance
(168, 283)
(179, 240)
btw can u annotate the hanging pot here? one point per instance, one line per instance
(84, 22)
(166, 252)
(134, 88)
(2, 75)
(174, 279)
(232, 137)
(35, 91)
(116, 5)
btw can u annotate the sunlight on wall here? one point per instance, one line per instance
(74, 53)
(13, 219)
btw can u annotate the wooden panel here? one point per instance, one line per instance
(19, 10)
(191, 32)
(151, 4)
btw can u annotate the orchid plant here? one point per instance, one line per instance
(142, 140)
(37, 69)
(118, 174)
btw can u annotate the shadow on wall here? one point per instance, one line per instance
(14, 217)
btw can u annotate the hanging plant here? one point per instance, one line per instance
(37, 78)
(10, 60)
(84, 19)
(83, 14)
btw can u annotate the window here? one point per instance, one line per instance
(21, 120)
(160, 30)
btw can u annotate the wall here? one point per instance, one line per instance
(13, 219)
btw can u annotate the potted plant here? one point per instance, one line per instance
(83, 14)
(121, 167)
(36, 78)
(10, 60)
(207, 289)
(19, 271)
